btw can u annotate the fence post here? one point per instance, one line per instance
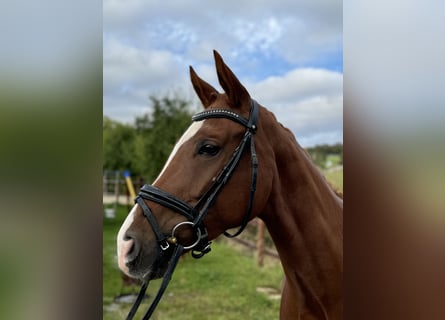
(260, 242)
(116, 187)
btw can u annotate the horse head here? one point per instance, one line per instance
(196, 162)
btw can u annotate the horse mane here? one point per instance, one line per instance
(291, 136)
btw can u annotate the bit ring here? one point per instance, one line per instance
(198, 234)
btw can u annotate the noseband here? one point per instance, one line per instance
(195, 214)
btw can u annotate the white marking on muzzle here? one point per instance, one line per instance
(124, 245)
(188, 134)
(121, 247)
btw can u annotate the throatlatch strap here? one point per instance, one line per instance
(254, 173)
(227, 171)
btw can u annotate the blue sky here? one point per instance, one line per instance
(288, 54)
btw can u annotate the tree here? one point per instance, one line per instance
(144, 147)
(320, 153)
(118, 145)
(158, 131)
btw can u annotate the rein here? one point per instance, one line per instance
(196, 214)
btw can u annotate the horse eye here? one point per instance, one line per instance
(209, 149)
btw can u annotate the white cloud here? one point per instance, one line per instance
(129, 65)
(307, 101)
(131, 75)
(293, 30)
(148, 46)
(299, 84)
(256, 35)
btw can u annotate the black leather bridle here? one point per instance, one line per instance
(195, 214)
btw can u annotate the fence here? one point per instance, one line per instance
(115, 190)
(256, 237)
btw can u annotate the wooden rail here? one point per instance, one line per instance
(252, 245)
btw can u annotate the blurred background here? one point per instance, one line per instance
(53, 86)
(288, 55)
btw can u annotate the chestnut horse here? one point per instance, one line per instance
(301, 211)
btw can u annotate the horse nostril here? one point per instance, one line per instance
(127, 237)
(132, 248)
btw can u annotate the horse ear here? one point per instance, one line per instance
(236, 92)
(206, 93)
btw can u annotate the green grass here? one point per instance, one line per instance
(335, 178)
(333, 160)
(222, 285)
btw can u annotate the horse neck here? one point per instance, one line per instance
(304, 218)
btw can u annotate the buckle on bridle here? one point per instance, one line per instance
(197, 254)
(164, 244)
